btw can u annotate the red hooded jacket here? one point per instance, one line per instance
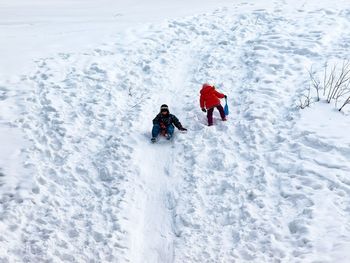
(210, 97)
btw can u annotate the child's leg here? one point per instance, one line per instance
(210, 116)
(222, 112)
(155, 130)
(170, 130)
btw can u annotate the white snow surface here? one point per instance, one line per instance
(80, 180)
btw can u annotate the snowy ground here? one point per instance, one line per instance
(269, 185)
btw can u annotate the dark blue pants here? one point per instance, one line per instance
(156, 130)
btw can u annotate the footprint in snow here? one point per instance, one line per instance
(3, 93)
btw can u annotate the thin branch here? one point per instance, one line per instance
(331, 81)
(315, 83)
(307, 100)
(343, 77)
(346, 102)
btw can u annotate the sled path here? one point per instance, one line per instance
(261, 187)
(153, 236)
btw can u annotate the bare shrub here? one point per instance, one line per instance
(315, 84)
(339, 81)
(305, 101)
(335, 85)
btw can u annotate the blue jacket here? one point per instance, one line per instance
(167, 120)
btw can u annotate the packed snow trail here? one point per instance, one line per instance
(247, 190)
(154, 237)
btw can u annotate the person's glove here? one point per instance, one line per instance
(204, 110)
(162, 125)
(225, 96)
(183, 129)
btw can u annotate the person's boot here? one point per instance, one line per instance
(168, 136)
(224, 119)
(153, 139)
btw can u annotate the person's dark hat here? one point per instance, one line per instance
(164, 107)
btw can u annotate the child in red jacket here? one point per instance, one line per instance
(210, 99)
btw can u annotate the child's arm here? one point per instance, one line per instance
(156, 120)
(219, 95)
(177, 123)
(201, 102)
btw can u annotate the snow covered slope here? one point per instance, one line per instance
(268, 185)
(34, 29)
